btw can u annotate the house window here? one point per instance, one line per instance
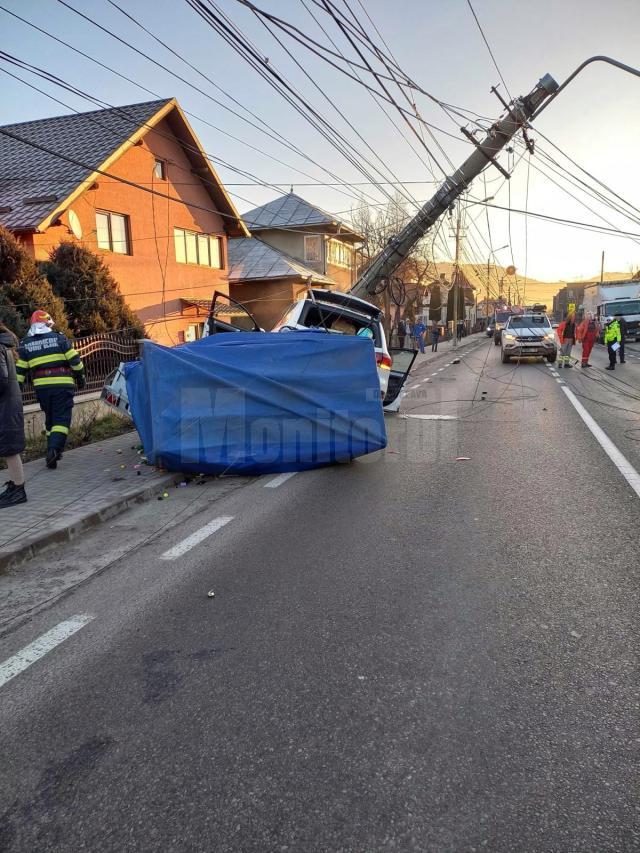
(339, 254)
(313, 249)
(205, 250)
(112, 231)
(159, 170)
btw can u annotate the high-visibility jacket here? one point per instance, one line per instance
(562, 329)
(612, 332)
(51, 360)
(588, 329)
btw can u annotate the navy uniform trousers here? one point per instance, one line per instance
(57, 405)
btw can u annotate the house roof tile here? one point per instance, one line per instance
(32, 181)
(251, 259)
(291, 211)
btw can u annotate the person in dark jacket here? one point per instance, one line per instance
(402, 333)
(434, 331)
(623, 336)
(55, 368)
(11, 421)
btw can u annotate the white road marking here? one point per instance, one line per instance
(39, 648)
(196, 538)
(621, 462)
(432, 417)
(278, 481)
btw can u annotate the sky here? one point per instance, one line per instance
(595, 121)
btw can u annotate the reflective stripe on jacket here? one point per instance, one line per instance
(51, 360)
(612, 332)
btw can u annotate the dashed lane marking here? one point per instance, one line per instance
(621, 462)
(431, 417)
(196, 538)
(279, 480)
(39, 648)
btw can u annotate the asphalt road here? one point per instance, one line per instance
(411, 652)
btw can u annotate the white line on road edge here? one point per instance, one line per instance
(196, 538)
(39, 648)
(278, 481)
(431, 417)
(621, 462)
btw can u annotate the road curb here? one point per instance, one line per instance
(39, 542)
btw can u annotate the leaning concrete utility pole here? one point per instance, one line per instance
(376, 278)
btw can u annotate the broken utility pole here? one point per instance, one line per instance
(376, 278)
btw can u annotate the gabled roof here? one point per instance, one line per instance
(250, 259)
(36, 184)
(291, 211)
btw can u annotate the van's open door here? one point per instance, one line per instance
(228, 315)
(402, 362)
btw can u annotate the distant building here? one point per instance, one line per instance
(86, 177)
(267, 281)
(571, 294)
(309, 234)
(294, 244)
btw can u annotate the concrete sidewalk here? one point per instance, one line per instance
(92, 483)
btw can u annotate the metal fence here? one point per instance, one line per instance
(101, 354)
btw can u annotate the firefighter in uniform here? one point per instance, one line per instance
(55, 368)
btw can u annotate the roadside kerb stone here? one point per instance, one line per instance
(92, 484)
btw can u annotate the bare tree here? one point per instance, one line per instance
(377, 227)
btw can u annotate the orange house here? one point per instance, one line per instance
(133, 184)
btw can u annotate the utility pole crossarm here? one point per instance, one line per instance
(498, 135)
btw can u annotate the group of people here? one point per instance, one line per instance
(420, 333)
(55, 369)
(587, 333)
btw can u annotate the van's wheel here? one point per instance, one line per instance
(551, 358)
(505, 358)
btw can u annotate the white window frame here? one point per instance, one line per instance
(338, 249)
(313, 240)
(206, 249)
(110, 241)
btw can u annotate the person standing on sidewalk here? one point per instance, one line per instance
(623, 336)
(567, 337)
(419, 330)
(402, 332)
(11, 421)
(587, 333)
(55, 368)
(611, 338)
(435, 336)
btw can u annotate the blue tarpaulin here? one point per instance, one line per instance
(257, 403)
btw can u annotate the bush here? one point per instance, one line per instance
(23, 288)
(93, 301)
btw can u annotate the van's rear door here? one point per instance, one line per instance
(402, 362)
(228, 315)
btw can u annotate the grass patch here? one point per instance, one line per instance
(87, 429)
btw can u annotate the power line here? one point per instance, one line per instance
(278, 138)
(484, 38)
(332, 104)
(371, 95)
(136, 125)
(230, 33)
